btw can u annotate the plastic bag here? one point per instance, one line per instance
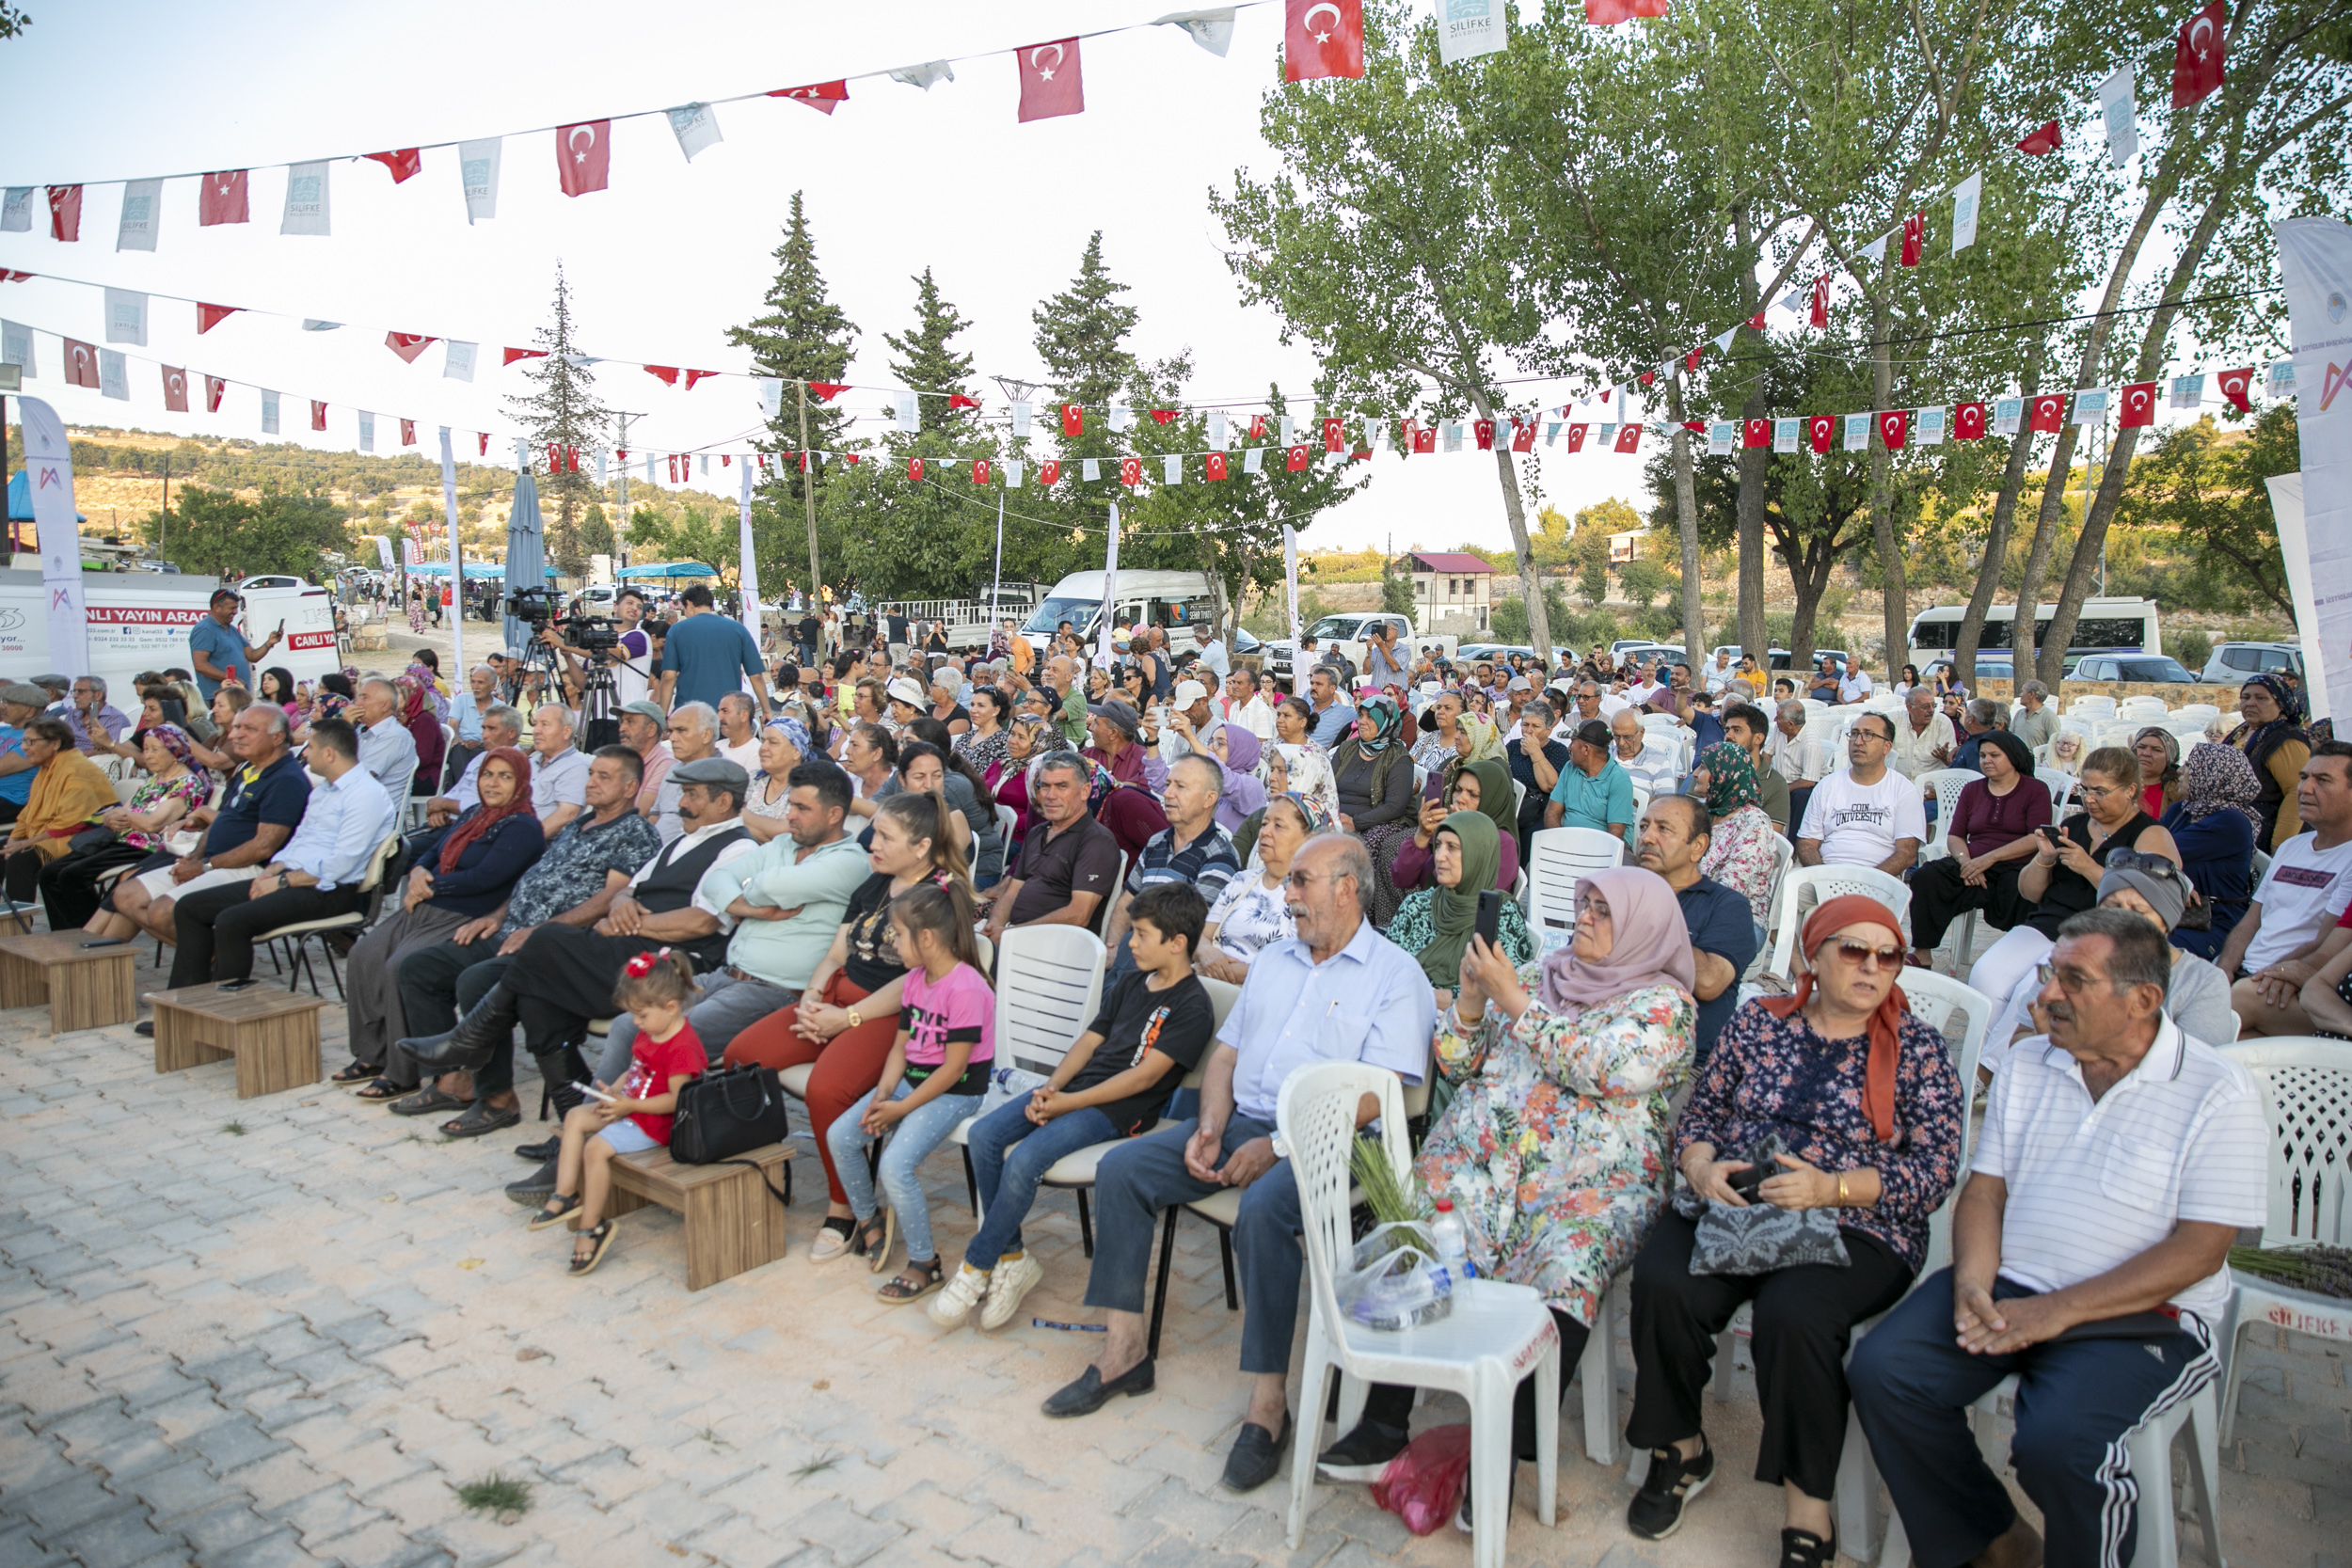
(1393, 1282)
(1422, 1486)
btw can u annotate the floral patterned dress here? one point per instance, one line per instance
(1554, 1147)
(194, 787)
(1740, 855)
(1413, 928)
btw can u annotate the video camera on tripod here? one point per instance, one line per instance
(593, 635)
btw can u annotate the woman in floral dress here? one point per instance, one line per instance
(1554, 1147)
(1739, 850)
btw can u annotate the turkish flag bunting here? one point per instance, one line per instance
(406, 344)
(1914, 237)
(848, 458)
(2042, 142)
(957, 401)
(826, 391)
(1756, 321)
(1821, 300)
(318, 415)
(622, 456)
(14, 277)
(1648, 377)
(1522, 436)
(409, 434)
(1895, 428)
(1297, 459)
(724, 460)
(65, 211)
(2139, 405)
(514, 354)
(1074, 421)
(1606, 13)
(1485, 430)
(1322, 37)
(1757, 433)
(980, 470)
(583, 155)
(1050, 84)
(2049, 412)
(1629, 438)
(482, 443)
(215, 390)
(1216, 468)
(1130, 471)
(1968, 422)
(2197, 56)
(674, 468)
(1818, 429)
(693, 376)
(81, 364)
(175, 390)
(2235, 385)
(1696, 427)
(1257, 427)
(210, 316)
(403, 164)
(819, 96)
(1691, 360)
(1576, 436)
(1049, 471)
(571, 459)
(556, 459)
(1334, 436)
(1425, 438)
(221, 198)
(666, 374)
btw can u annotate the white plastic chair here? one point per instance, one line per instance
(1558, 858)
(1824, 882)
(2061, 784)
(1479, 1350)
(1945, 783)
(2142, 708)
(2092, 706)
(1007, 826)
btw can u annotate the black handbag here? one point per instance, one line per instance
(726, 1113)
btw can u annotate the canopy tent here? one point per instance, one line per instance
(21, 501)
(474, 569)
(526, 552)
(672, 569)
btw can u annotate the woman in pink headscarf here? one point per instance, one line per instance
(1553, 1148)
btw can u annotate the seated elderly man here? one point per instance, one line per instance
(559, 775)
(1980, 717)
(386, 750)
(95, 722)
(1923, 737)
(1652, 763)
(496, 726)
(693, 737)
(2089, 1257)
(1067, 871)
(1337, 992)
(467, 711)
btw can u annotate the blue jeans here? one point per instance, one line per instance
(1011, 1154)
(921, 1130)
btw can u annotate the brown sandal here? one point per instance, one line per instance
(928, 1277)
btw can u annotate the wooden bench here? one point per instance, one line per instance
(86, 987)
(733, 1221)
(273, 1034)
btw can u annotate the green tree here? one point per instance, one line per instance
(1082, 340)
(1592, 583)
(595, 529)
(1643, 581)
(1396, 587)
(693, 532)
(2210, 492)
(564, 412)
(214, 532)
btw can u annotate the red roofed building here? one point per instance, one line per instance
(1449, 584)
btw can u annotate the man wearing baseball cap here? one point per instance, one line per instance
(1116, 734)
(220, 654)
(1191, 721)
(641, 726)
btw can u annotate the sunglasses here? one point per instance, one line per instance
(2143, 862)
(1857, 953)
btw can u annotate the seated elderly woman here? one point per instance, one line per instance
(1435, 924)
(1373, 770)
(1475, 739)
(69, 797)
(158, 705)
(1483, 787)
(1833, 1105)
(1995, 828)
(69, 883)
(783, 743)
(230, 700)
(1740, 851)
(1553, 1148)
(2214, 825)
(1252, 912)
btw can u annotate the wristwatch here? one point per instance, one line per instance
(1281, 1146)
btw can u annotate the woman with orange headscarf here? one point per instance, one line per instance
(1860, 1104)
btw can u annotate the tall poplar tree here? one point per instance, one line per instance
(562, 411)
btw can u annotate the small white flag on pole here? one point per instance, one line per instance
(114, 375)
(1252, 460)
(367, 431)
(456, 361)
(1122, 416)
(1857, 433)
(903, 414)
(16, 347)
(478, 174)
(1172, 471)
(306, 200)
(142, 206)
(696, 127)
(269, 413)
(1022, 412)
(1013, 474)
(1450, 438)
(1288, 429)
(771, 395)
(1966, 196)
(2121, 115)
(1089, 469)
(1216, 429)
(126, 317)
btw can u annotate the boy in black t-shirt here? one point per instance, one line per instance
(1154, 1027)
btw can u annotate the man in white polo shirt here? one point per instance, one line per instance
(2089, 1257)
(1865, 813)
(2289, 932)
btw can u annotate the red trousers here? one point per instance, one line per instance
(848, 1065)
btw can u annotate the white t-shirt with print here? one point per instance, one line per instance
(2303, 892)
(1858, 824)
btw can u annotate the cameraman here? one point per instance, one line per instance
(633, 657)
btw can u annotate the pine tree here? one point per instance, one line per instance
(928, 365)
(563, 412)
(1081, 338)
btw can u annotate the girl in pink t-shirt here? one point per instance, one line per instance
(635, 1115)
(933, 1079)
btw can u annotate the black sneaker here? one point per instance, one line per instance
(534, 1189)
(1801, 1548)
(545, 1149)
(1656, 1511)
(1363, 1454)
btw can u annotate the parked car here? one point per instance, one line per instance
(2235, 664)
(1989, 667)
(1345, 632)
(270, 580)
(2157, 668)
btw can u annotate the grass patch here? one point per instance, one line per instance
(494, 1493)
(234, 1129)
(711, 1435)
(817, 1466)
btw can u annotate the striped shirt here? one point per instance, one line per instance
(2094, 1183)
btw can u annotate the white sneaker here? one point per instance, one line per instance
(956, 1299)
(1007, 1283)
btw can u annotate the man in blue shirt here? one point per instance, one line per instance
(315, 876)
(1676, 833)
(1593, 791)
(20, 705)
(219, 651)
(1332, 718)
(1337, 992)
(708, 656)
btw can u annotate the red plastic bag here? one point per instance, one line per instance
(1423, 1484)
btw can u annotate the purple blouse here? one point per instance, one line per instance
(1986, 821)
(1769, 1074)
(1416, 867)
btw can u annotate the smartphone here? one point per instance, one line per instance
(1489, 915)
(2049, 832)
(594, 1093)
(107, 942)
(237, 984)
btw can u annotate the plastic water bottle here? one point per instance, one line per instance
(1451, 1242)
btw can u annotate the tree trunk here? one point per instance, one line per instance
(1687, 514)
(1750, 512)
(2025, 632)
(1895, 603)
(1809, 578)
(1997, 544)
(1515, 512)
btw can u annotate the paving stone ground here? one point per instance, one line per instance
(285, 1330)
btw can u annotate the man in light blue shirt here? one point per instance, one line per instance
(386, 750)
(1338, 992)
(317, 875)
(1332, 718)
(1593, 791)
(500, 725)
(218, 650)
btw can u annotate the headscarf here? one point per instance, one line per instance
(2020, 755)
(1242, 793)
(2171, 742)
(1497, 799)
(411, 695)
(1652, 946)
(2259, 740)
(1309, 772)
(1730, 779)
(1242, 749)
(793, 730)
(1878, 1078)
(1389, 719)
(2218, 778)
(169, 735)
(482, 818)
(1485, 743)
(1453, 910)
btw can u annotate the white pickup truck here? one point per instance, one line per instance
(1344, 633)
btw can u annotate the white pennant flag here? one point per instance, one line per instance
(1551, 433)
(311, 324)
(696, 127)
(16, 210)
(1857, 433)
(1470, 29)
(1719, 436)
(1608, 435)
(2188, 391)
(1212, 30)
(2280, 382)
(1287, 428)
(770, 396)
(1785, 434)
(1089, 469)
(924, 75)
(599, 465)
(1723, 341)
(1875, 252)
(142, 206)
(367, 431)
(1928, 431)
(2007, 414)
(1375, 429)
(306, 200)
(1451, 437)
(706, 464)
(1218, 436)
(269, 413)
(2121, 115)
(1966, 196)
(16, 347)
(2091, 406)
(114, 375)
(1012, 475)
(1022, 412)
(126, 317)
(1252, 460)
(904, 415)
(457, 360)
(1122, 416)
(478, 175)
(649, 468)
(1172, 471)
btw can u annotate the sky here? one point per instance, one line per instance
(673, 253)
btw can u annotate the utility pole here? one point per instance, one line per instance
(808, 485)
(620, 530)
(163, 521)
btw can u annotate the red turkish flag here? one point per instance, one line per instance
(1968, 423)
(1425, 438)
(1334, 436)
(674, 468)
(819, 96)
(2139, 405)
(215, 390)
(1895, 428)
(514, 354)
(318, 415)
(13, 277)
(403, 164)
(826, 391)
(1576, 436)
(2197, 56)
(1050, 83)
(958, 401)
(2049, 412)
(2234, 385)
(1214, 468)
(555, 458)
(1648, 377)
(583, 155)
(65, 211)
(1756, 321)
(409, 434)
(1484, 429)
(1606, 13)
(1914, 237)
(2042, 142)
(220, 197)
(666, 374)
(1049, 471)
(571, 459)
(1696, 427)
(210, 316)
(980, 470)
(1322, 37)
(175, 390)
(1691, 360)
(1757, 433)
(1820, 428)
(406, 344)
(1073, 420)
(1130, 471)
(481, 439)
(724, 460)
(1295, 459)
(1628, 439)
(81, 364)
(1821, 300)
(1522, 436)
(1257, 427)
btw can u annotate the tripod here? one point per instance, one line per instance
(599, 699)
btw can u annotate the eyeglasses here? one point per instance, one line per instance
(2097, 792)
(1304, 880)
(1859, 953)
(2143, 862)
(2071, 981)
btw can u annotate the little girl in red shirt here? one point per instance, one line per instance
(636, 1114)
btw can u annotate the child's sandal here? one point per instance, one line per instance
(599, 1240)
(562, 1209)
(875, 1239)
(896, 1291)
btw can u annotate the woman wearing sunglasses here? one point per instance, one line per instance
(1864, 1098)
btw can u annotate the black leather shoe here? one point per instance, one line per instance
(534, 1189)
(470, 1045)
(144, 1028)
(543, 1149)
(1257, 1456)
(1090, 1393)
